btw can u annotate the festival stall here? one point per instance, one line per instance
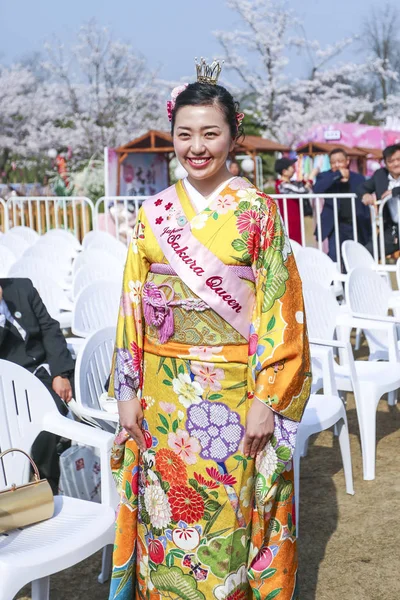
(141, 167)
(356, 137)
(316, 155)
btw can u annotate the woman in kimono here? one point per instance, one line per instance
(211, 373)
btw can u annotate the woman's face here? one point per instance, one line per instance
(202, 141)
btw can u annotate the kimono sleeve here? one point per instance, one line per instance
(127, 364)
(278, 346)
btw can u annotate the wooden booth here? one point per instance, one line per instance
(159, 145)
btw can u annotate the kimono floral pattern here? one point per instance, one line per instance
(198, 519)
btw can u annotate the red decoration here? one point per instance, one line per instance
(186, 504)
(156, 551)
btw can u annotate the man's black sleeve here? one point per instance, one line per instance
(366, 187)
(325, 181)
(57, 354)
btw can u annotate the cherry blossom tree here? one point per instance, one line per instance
(285, 106)
(108, 94)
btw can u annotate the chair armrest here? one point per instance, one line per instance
(78, 432)
(364, 321)
(328, 343)
(96, 413)
(387, 324)
(385, 268)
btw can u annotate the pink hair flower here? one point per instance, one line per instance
(174, 94)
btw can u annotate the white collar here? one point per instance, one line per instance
(198, 199)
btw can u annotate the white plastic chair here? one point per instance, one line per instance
(78, 528)
(96, 258)
(315, 265)
(369, 295)
(296, 247)
(355, 255)
(88, 274)
(35, 269)
(15, 243)
(91, 236)
(368, 380)
(60, 256)
(95, 307)
(65, 236)
(7, 259)
(111, 246)
(92, 370)
(322, 412)
(27, 233)
(55, 300)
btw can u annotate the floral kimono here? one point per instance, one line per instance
(211, 320)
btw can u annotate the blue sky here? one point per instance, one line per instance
(168, 33)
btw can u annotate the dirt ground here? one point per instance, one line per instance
(349, 545)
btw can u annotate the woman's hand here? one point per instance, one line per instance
(259, 428)
(130, 418)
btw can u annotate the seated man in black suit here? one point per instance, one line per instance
(379, 187)
(30, 338)
(340, 180)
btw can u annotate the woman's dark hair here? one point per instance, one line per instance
(206, 94)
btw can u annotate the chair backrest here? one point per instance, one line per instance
(88, 274)
(35, 268)
(112, 247)
(96, 258)
(24, 401)
(296, 247)
(93, 367)
(60, 255)
(29, 235)
(7, 259)
(53, 296)
(315, 265)
(63, 235)
(355, 255)
(367, 292)
(96, 307)
(15, 243)
(322, 310)
(92, 237)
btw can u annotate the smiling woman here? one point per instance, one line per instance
(205, 470)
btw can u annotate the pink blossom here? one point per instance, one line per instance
(178, 90)
(167, 407)
(253, 342)
(126, 305)
(207, 375)
(223, 204)
(185, 446)
(239, 184)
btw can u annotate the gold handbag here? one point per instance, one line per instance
(23, 505)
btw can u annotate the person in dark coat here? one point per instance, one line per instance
(383, 184)
(340, 180)
(30, 338)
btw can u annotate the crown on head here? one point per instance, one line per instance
(208, 73)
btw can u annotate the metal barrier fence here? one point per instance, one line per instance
(117, 215)
(75, 213)
(4, 220)
(120, 214)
